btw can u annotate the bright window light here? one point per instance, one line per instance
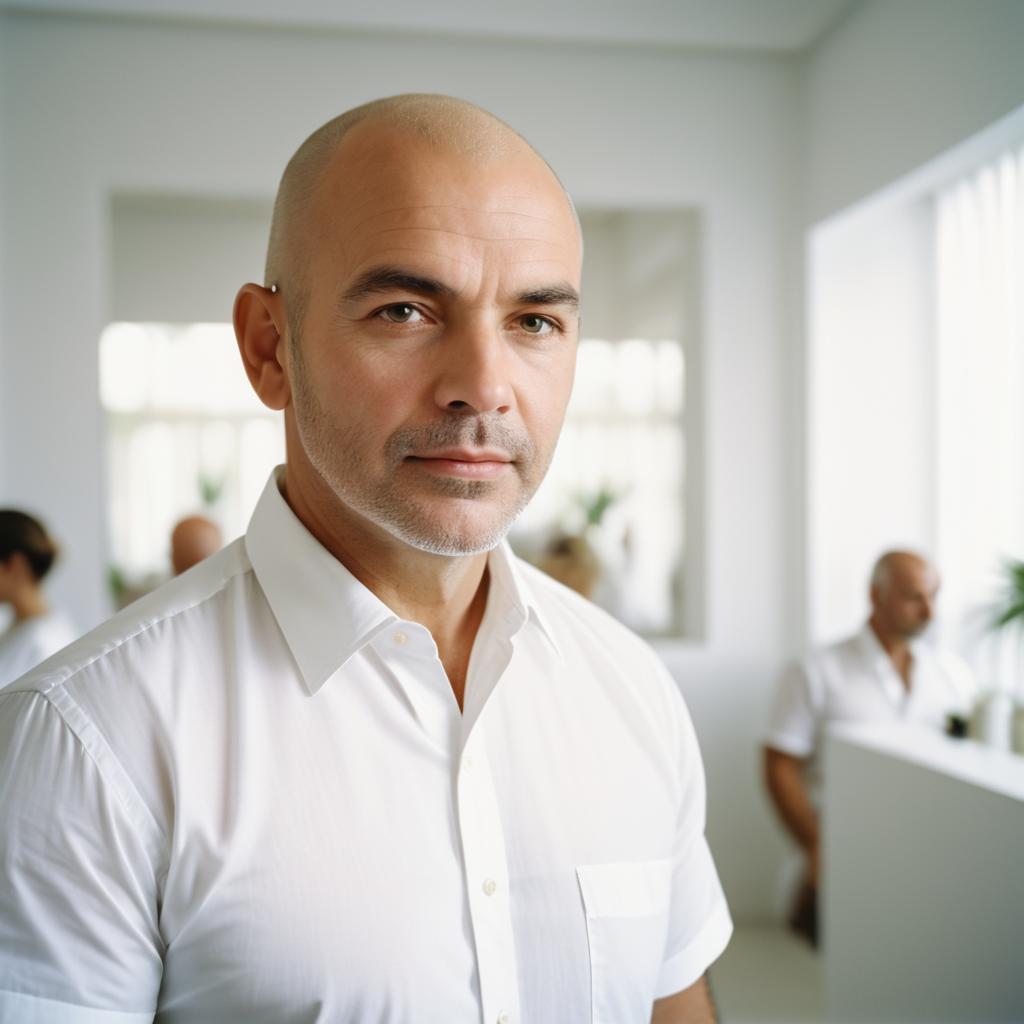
(980, 416)
(185, 434)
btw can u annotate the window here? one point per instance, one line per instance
(186, 434)
(979, 254)
(619, 515)
(616, 483)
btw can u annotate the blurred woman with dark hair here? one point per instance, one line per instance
(27, 552)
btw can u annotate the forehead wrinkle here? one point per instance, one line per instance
(512, 216)
(458, 261)
(462, 234)
(533, 262)
(487, 211)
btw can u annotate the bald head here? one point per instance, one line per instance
(893, 566)
(435, 261)
(904, 586)
(193, 539)
(440, 121)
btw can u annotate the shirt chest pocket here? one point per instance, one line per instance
(627, 908)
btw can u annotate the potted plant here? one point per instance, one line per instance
(1005, 714)
(571, 557)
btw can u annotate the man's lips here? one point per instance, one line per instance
(469, 463)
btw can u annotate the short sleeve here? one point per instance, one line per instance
(699, 923)
(793, 723)
(79, 930)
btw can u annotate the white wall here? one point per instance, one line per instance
(871, 382)
(897, 82)
(109, 107)
(180, 259)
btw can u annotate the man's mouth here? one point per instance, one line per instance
(468, 463)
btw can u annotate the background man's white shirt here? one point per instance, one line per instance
(252, 797)
(855, 681)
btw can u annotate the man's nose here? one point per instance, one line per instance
(475, 371)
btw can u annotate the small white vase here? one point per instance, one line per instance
(1017, 729)
(993, 720)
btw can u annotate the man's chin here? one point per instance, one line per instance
(437, 535)
(450, 545)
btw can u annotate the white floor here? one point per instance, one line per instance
(768, 976)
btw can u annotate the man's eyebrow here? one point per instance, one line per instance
(554, 295)
(390, 279)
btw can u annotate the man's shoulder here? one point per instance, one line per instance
(951, 665)
(573, 612)
(599, 655)
(834, 652)
(146, 624)
(586, 629)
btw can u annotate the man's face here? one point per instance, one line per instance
(906, 606)
(438, 340)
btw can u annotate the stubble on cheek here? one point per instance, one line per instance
(376, 482)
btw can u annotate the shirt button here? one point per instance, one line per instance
(503, 1018)
(400, 638)
(467, 763)
(489, 886)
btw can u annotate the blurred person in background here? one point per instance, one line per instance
(27, 553)
(193, 539)
(883, 673)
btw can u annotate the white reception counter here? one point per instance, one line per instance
(923, 897)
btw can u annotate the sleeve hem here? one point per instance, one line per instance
(690, 963)
(796, 747)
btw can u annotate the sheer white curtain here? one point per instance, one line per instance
(980, 407)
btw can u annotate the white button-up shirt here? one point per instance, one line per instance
(855, 681)
(251, 796)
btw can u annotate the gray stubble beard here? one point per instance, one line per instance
(332, 456)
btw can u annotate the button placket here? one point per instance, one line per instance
(409, 653)
(483, 846)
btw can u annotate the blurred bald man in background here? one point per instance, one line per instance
(193, 539)
(883, 673)
(364, 765)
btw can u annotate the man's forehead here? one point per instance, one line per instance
(913, 571)
(529, 242)
(399, 179)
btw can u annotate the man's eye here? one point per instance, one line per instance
(532, 323)
(401, 313)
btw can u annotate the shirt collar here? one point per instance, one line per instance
(873, 650)
(877, 657)
(511, 585)
(324, 612)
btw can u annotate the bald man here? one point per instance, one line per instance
(193, 539)
(881, 674)
(363, 765)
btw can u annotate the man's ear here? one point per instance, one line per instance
(259, 329)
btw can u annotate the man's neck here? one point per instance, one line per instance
(897, 647)
(29, 603)
(445, 594)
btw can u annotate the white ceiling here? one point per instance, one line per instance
(768, 25)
